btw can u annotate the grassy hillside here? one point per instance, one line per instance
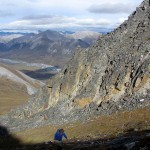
(11, 95)
(100, 127)
(15, 88)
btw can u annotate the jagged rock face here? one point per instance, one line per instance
(112, 75)
(118, 65)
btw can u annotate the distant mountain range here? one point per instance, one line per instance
(89, 37)
(49, 47)
(3, 33)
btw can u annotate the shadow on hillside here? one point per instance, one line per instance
(7, 141)
(131, 140)
(39, 74)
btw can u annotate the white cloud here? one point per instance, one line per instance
(121, 20)
(5, 14)
(111, 8)
(37, 14)
(56, 22)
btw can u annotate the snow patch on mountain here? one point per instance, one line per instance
(85, 34)
(7, 38)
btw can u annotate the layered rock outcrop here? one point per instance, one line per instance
(110, 76)
(117, 66)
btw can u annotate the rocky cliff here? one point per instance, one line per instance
(111, 76)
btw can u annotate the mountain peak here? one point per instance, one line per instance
(145, 4)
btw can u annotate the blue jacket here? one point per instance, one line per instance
(59, 136)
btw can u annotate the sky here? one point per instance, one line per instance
(34, 15)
